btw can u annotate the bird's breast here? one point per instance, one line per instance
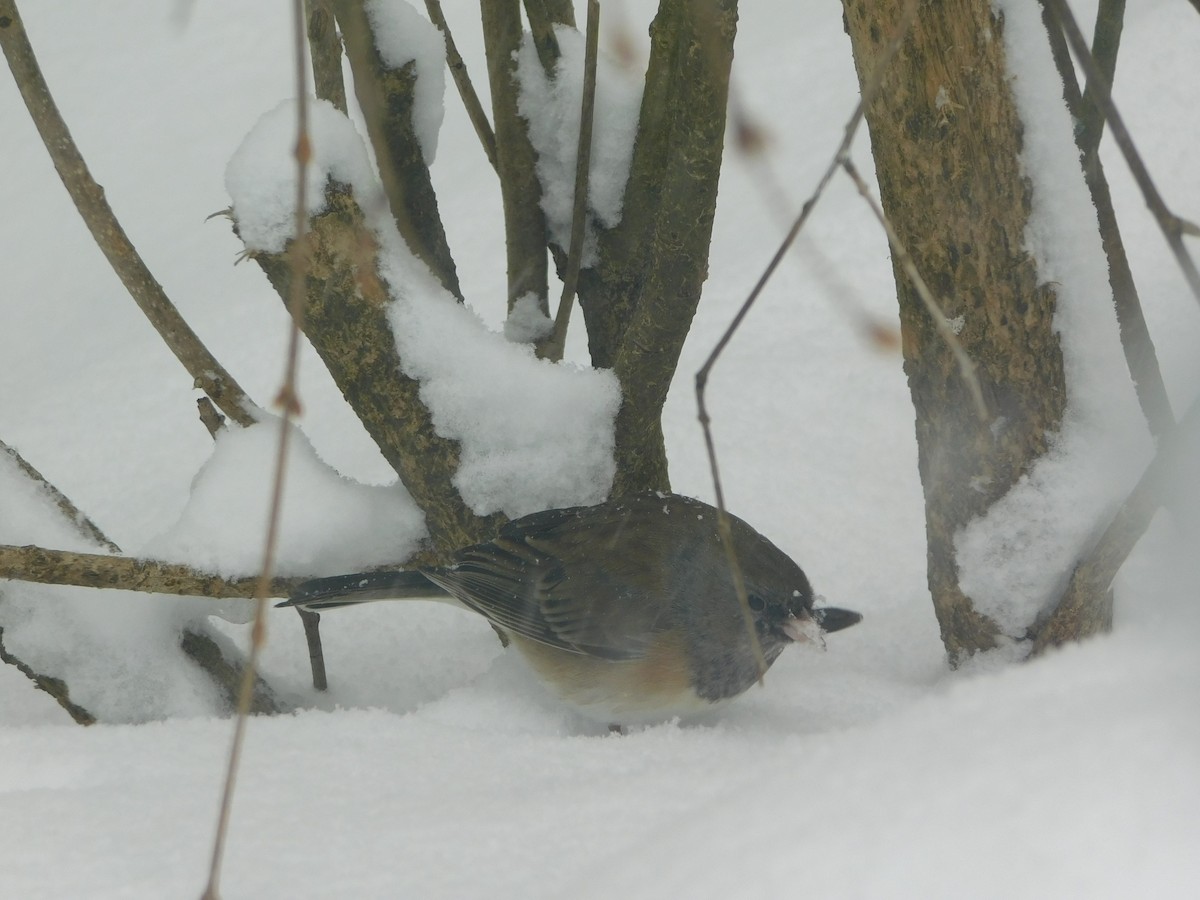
(653, 688)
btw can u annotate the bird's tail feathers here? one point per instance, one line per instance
(321, 594)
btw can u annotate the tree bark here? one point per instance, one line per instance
(946, 139)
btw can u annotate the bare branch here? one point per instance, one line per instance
(1106, 41)
(42, 565)
(642, 314)
(1136, 342)
(1172, 226)
(801, 219)
(462, 81)
(386, 97)
(88, 197)
(316, 653)
(553, 347)
(524, 221)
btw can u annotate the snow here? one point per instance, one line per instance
(403, 35)
(329, 520)
(526, 322)
(533, 434)
(1013, 560)
(261, 175)
(436, 766)
(551, 106)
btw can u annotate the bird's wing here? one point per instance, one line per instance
(544, 580)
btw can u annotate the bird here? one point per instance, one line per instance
(626, 609)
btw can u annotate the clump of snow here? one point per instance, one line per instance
(526, 322)
(117, 651)
(1014, 559)
(261, 175)
(533, 434)
(552, 107)
(329, 524)
(403, 35)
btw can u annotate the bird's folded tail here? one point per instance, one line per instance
(321, 594)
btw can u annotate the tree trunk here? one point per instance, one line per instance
(946, 139)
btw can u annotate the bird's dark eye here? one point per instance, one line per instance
(757, 603)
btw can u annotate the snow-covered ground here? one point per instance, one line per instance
(436, 767)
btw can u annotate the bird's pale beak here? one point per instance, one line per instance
(803, 630)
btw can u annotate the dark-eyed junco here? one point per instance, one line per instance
(626, 609)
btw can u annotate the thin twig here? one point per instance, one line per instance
(1106, 41)
(289, 400)
(1173, 227)
(965, 366)
(110, 237)
(316, 653)
(462, 81)
(1136, 342)
(524, 221)
(553, 348)
(739, 581)
(806, 210)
